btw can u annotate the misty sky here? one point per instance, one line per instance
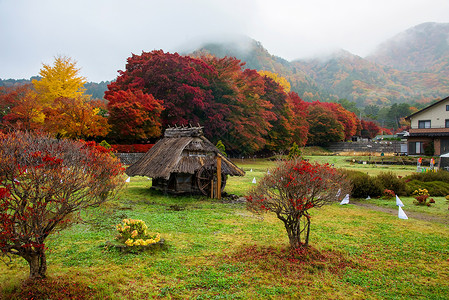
(101, 34)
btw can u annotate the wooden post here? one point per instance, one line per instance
(218, 177)
(212, 187)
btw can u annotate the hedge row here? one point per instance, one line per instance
(437, 183)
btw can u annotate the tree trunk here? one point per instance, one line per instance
(294, 231)
(38, 264)
(306, 240)
(293, 227)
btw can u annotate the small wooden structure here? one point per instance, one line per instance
(184, 161)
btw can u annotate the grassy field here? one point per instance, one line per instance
(218, 250)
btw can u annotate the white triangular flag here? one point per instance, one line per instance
(401, 214)
(399, 202)
(345, 200)
(338, 193)
(254, 180)
(367, 198)
(251, 170)
(128, 180)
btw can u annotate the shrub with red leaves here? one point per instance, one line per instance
(134, 148)
(292, 188)
(42, 181)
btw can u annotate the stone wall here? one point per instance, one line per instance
(386, 147)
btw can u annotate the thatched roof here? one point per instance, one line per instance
(182, 150)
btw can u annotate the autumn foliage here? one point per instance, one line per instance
(293, 188)
(55, 103)
(248, 111)
(42, 182)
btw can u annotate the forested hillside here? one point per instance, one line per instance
(411, 67)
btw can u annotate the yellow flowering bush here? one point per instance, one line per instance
(421, 192)
(421, 196)
(134, 233)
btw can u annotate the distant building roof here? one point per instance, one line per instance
(426, 108)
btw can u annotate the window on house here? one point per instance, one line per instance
(424, 124)
(446, 123)
(447, 107)
(416, 148)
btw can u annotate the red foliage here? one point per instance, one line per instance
(294, 187)
(134, 148)
(133, 114)
(300, 126)
(324, 127)
(42, 181)
(179, 81)
(281, 133)
(20, 108)
(346, 118)
(53, 288)
(369, 129)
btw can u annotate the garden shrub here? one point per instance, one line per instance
(134, 233)
(363, 185)
(388, 194)
(391, 181)
(422, 197)
(439, 175)
(435, 188)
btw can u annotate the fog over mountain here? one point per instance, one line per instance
(423, 48)
(412, 66)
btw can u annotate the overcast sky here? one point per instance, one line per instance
(101, 34)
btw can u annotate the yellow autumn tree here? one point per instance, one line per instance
(69, 113)
(278, 79)
(61, 80)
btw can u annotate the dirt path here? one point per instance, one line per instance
(412, 215)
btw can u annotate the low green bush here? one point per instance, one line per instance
(435, 188)
(363, 185)
(391, 181)
(440, 175)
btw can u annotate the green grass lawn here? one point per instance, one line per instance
(216, 250)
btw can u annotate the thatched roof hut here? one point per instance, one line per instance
(183, 161)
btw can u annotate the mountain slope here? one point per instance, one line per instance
(423, 48)
(413, 66)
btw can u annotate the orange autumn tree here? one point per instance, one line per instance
(76, 118)
(21, 109)
(347, 119)
(324, 127)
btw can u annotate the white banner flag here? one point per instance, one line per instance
(401, 214)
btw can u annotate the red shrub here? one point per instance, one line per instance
(134, 148)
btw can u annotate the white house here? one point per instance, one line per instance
(430, 129)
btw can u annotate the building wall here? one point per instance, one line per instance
(436, 114)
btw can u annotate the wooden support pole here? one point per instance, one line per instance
(212, 187)
(218, 177)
